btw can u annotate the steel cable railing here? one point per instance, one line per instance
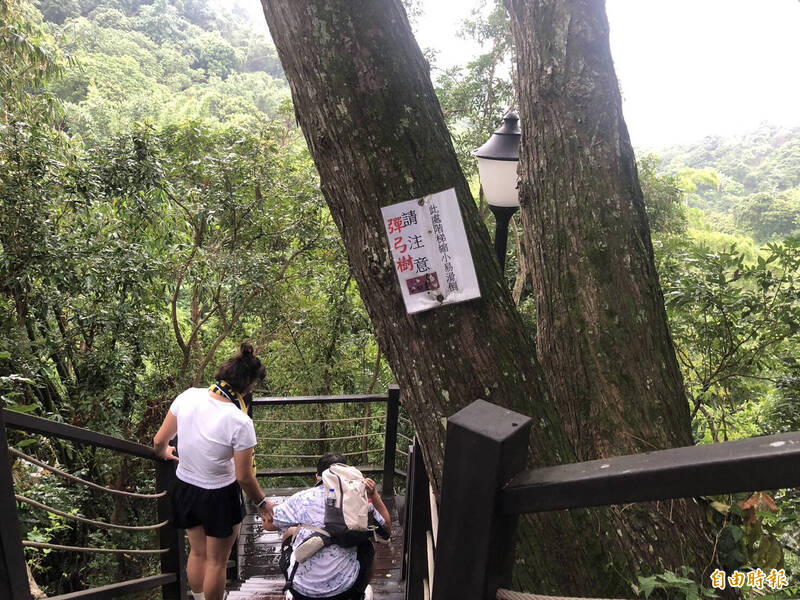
(335, 420)
(80, 519)
(46, 546)
(90, 484)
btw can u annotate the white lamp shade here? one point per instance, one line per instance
(499, 181)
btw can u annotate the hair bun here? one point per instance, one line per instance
(246, 348)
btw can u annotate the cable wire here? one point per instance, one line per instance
(316, 455)
(102, 524)
(89, 549)
(316, 420)
(344, 437)
(30, 459)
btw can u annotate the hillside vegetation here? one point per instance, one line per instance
(749, 184)
(158, 205)
(163, 62)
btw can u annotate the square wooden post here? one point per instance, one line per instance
(390, 440)
(13, 571)
(486, 446)
(170, 537)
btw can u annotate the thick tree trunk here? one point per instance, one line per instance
(364, 100)
(363, 97)
(602, 333)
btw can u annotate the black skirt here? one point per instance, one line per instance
(217, 510)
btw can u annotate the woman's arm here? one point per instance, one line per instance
(165, 434)
(377, 502)
(243, 461)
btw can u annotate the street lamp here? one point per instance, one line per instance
(497, 168)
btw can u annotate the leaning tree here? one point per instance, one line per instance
(602, 334)
(363, 97)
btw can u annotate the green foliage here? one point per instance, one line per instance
(214, 55)
(734, 323)
(27, 60)
(164, 62)
(766, 215)
(664, 201)
(751, 183)
(672, 585)
(58, 11)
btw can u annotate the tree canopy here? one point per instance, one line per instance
(158, 204)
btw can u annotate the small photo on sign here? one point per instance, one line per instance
(423, 283)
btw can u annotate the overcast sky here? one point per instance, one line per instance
(687, 68)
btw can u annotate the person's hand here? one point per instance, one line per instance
(372, 488)
(291, 532)
(266, 512)
(168, 453)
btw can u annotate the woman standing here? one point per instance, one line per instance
(215, 445)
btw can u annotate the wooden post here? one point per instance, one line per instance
(486, 446)
(390, 442)
(173, 561)
(13, 572)
(418, 522)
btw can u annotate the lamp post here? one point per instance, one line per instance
(497, 169)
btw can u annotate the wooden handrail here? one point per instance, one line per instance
(760, 463)
(473, 562)
(32, 424)
(118, 589)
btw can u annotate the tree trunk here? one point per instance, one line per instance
(602, 334)
(364, 99)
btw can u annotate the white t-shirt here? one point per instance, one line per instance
(331, 570)
(208, 432)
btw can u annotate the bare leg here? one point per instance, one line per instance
(196, 565)
(217, 552)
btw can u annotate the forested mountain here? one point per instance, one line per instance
(162, 62)
(158, 204)
(750, 183)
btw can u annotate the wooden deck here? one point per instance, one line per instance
(259, 577)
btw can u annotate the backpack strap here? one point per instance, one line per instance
(318, 533)
(318, 530)
(290, 579)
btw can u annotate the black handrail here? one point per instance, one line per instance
(13, 571)
(118, 589)
(290, 400)
(46, 427)
(761, 463)
(13, 578)
(392, 400)
(485, 488)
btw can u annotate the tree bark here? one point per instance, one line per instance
(602, 334)
(364, 99)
